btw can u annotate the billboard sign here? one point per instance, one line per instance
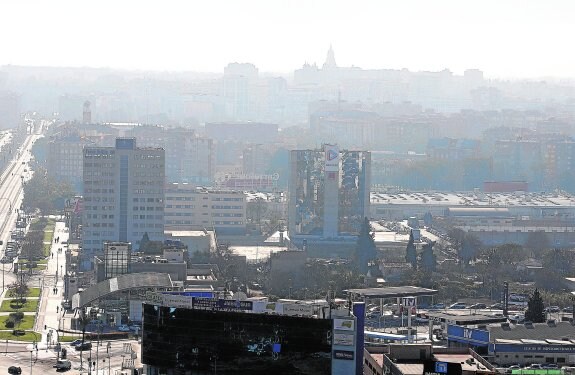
(409, 301)
(331, 158)
(343, 354)
(344, 324)
(441, 368)
(297, 309)
(176, 301)
(267, 307)
(344, 339)
(467, 335)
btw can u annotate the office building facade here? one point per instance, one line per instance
(123, 195)
(192, 208)
(328, 192)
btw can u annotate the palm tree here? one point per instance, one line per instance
(83, 320)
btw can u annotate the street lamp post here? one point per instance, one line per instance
(9, 211)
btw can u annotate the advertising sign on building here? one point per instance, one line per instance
(331, 158)
(345, 339)
(177, 301)
(343, 354)
(441, 368)
(297, 309)
(267, 307)
(466, 335)
(343, 324)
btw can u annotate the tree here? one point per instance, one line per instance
(144, 241)
(456, 237)
(45, 193)
(365, 249)
(535, 307)
(537, 241)
(150, 247)
(18, 289)
(411, 252)
(469, 248)
(428, 259)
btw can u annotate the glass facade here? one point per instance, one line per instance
(180, 340)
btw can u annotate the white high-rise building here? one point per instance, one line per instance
(123, 196)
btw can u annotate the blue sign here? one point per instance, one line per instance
(472, 336)
(441, 367)
(192, 294)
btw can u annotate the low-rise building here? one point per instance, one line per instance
(188, 207)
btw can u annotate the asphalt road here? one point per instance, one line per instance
(43, 360)
(11, 195)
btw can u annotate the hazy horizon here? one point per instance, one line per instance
(515, 39)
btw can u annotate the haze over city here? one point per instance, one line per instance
(505, 39)
(287, 187)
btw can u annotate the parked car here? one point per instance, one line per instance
(123, 328)
(14, 370)
(552, 309)
(550, 366)
(478, 306)
(568, 309)
(437, 306)
(457, 306)
(84, 346)
(536, 366)
(496, 306)
(63, 365)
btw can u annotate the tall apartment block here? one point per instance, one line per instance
(328, 193)
(65, 152)
(123, 196)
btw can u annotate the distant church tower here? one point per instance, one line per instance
(87, 115)
(330, 60)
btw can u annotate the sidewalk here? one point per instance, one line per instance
(50, 311)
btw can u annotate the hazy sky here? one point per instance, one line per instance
(503, 38)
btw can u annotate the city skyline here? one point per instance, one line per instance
(509, 40)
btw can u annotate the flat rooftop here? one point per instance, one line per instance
(256, 253)
(479, 199)
(464, 318)
(392, 292)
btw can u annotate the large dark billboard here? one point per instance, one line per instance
(209, 342)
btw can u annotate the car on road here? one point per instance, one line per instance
(84, 346)
(496, 306)
(75, 342)
(123, 328)
(63, 365)
(14, 370)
